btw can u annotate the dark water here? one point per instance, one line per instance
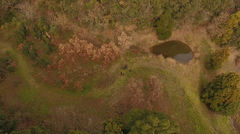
(174, 49)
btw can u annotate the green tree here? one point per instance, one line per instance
(3, 120)
(20, 33)
(113, 126)
(217, 59)
(32, 130)
(222, 95)
(181, 8)
(164, 26)
(149, 122)
(77, 132)
(216, 6)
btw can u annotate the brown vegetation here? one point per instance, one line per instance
(124, 41)
(76, 49)
(155, 87)
(133, 96)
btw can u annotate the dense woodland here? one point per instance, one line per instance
(60, 56)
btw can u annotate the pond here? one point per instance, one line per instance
(174, 49)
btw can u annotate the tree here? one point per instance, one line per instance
(20, 33)
(113, 126)
(32, 130)
(216, 6)
(217, 59)
(164, 26)
(222, 95)
(77, 132)
(3, 120)
(149, 122)
(230, 28)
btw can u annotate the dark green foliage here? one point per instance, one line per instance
(53, 30)
(43, 61)
(222, 95)
(6, 66)
(13, 125)
(113, 126)
(20, 33)
(217, 59)
(235, 39)
(216, 6)
(3, 120)
(32, 130)
(28, 50)
(164, 26)
(181, 8)
(40, 30)
(141, 12)
(77, 132)
(8, 17)
(149, 122)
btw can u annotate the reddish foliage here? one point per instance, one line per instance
(77, 48)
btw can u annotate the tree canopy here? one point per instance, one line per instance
(113, 126)
(149, 122)
(217, 58)
(164, 26)
(222, 95)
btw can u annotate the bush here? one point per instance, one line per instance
(222, 95)
(20, 33)
(217, 6)
(28, 50)
(6, 66)
(114, 126)
(231, 31)
(217, 59)
(3, 120)
(141, 122)
(164, 26)
(145, 121)
(77, 132)
(32, 130)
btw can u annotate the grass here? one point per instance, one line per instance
(182, 86)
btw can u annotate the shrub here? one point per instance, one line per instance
(164, 26)
(145, 121)
(32, 130)
(76, 49)
(28, 50)
(20, 33)
(114, 126)
(222, 95)
(231, 27)
(3, 120)
(217, 6)
(124, 41)
(6, 66)
(217, 59)
(77, 132)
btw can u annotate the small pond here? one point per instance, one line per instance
(174, 49)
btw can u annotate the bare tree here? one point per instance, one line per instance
(27, 10)
(124, 41)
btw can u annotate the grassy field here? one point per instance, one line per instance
(182, 87)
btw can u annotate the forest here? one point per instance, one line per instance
(86, 67)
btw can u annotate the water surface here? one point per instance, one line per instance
(174, 49)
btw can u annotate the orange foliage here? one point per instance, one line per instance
(77, 48)
(124, 41)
